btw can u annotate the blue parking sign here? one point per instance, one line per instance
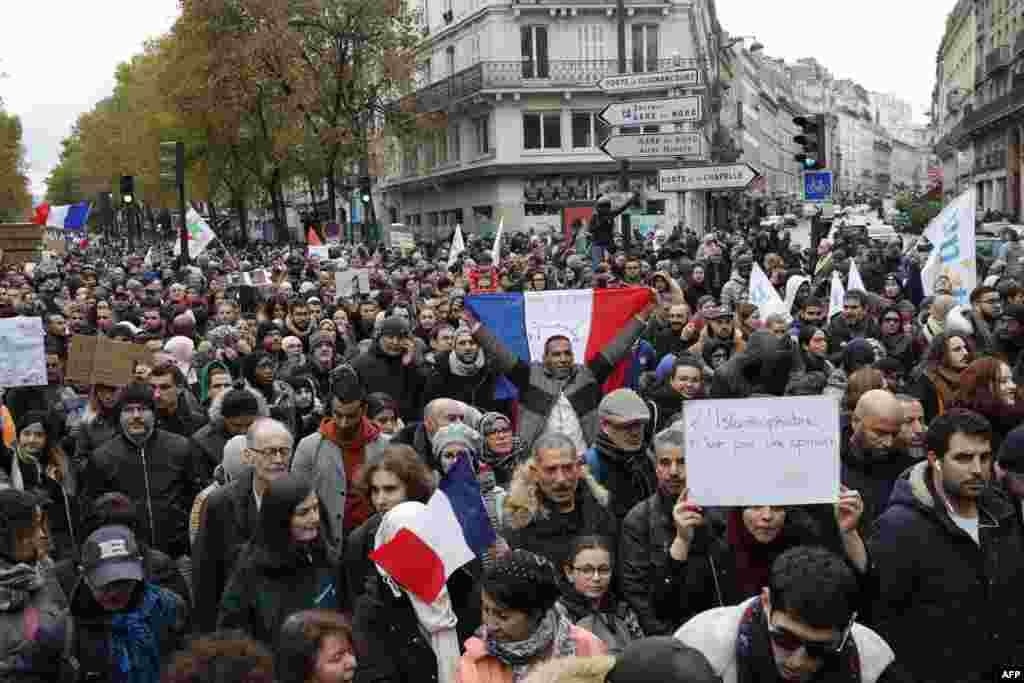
(817, 186)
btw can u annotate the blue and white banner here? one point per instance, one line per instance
(953, 254)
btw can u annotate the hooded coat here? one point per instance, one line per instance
(935, 580)
(762, 367)
(274, 577)
(211, 439)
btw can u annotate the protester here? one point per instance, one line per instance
(315, 647)
(987, 388)
(618, 460)
(220, 657)
(948, 356)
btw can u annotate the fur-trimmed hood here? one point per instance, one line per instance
(912, 488)
(523, 503)
(215, 406)
(573, 670)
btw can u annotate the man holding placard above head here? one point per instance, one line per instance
(949, 556)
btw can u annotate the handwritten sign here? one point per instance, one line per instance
(99, 360)
(565, 312)
(22, 359)
(762, 451)
(349, 283)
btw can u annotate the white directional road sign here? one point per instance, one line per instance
(679, 144)
(657, 80)
(721, 177)
(653, 111)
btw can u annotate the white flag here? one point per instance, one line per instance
(836, 296)
(458, 246)
(148, 261)
(954, 248)
(200, 234)
(764, 296)
(853, 280)
(496, 249)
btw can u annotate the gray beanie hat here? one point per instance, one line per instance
(624, 404)
(455, 433)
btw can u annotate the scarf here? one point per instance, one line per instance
(437, 619)
(633, 461)
(17, 585)
(753, 558)
(947, 384)
(505, 464)
(551, 639)
(461, 369)
(755, 659)
(133, 635)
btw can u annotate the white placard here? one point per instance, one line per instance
(348, 283)
(563, 312)
(322, 253)
(22, 358)
(762, 451)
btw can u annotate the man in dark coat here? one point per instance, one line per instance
(853, 322)
(174, 413)
(619, 459)
(763, 367)
(155, 468)
(388, 367)
(949, 555)
(231, 414)
(467, 374)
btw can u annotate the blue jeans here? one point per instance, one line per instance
(597, 254)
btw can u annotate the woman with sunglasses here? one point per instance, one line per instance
(801, 627)
(589, 599)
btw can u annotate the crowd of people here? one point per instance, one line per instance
(214, 517)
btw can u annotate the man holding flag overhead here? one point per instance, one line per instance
(535, 338)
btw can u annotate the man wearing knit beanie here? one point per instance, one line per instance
(231, 414)
(390, 366)
(618, 458)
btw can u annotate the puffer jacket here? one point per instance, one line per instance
(476, 390)
(935, 579)
(160, 476)
(539, 390)
(44, 604)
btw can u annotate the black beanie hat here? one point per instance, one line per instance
(136, 392)
(659, 659)
(238, 402)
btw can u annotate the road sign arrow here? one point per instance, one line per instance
(686, 144)
(719, 177)
(648, 112)
(657, 80)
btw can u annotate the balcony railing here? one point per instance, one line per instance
(525, 73)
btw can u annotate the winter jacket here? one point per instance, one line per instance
(647, 534)
(477, 666)
(614, 622)
(628, 477)
(382, 373)
(209, 441)
(668, 341)
(533, 524)
(160, 476)
(157, 568)
(539, 390)
(762, 367)
(357, 565)
(321, 460)
(389, 643)
(476, 390)
(840, 332)
(184, 422)
(713, 633)
(44, 604)
(229, 522)
(93, 434)
(872, 476)
(935, 580)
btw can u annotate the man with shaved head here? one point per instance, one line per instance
(871, 459)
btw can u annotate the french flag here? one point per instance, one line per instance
(590, 318)
(453, 530)
(65, 216)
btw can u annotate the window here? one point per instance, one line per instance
(645, 48)
(432, 219)
(450, 56)
(590, 38)
(637, 130)
(429, 156)
(739, 114)
(442, 147)
(542, 131)
(456, 140)
(392, 215)
(535, 51)
(587, 130)
(482, 135)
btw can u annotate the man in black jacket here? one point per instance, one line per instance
(853, 322)
(388, 367)
(173, 414)
(466, 374)
(648, 531)
(155, 468)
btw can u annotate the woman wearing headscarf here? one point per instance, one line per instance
(501, 450)
(284, 568)
(259, 369)
(798, 288)
(523, 627)
(401, 638)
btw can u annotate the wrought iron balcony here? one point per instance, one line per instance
(525, 74)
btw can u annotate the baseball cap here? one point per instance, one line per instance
(111, 554)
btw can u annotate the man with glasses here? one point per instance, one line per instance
(986, 309)
(333, 454)
(949, 554)
(898, 344)
(618, 459)
(801, 628)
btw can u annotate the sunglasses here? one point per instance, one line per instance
(784, 640)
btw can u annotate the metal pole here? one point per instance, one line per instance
(620, 10)
(180, 181)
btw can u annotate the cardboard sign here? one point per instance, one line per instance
(349, 283)
(58, 247)
(21, 242)
(762, 451)
(99, 360)
(22, 356)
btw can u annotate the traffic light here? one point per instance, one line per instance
(364, 189)
(172, 164)
(814, 150)
(128, 189)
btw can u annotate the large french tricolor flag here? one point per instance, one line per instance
(590, 318)
(65, 216)
(453, 529)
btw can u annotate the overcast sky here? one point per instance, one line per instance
(60, 55)
(887, 46)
